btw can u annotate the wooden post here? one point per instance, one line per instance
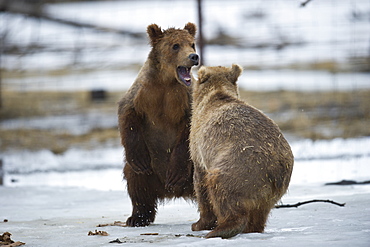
(1, 93)
(200, 42)
(1, 172)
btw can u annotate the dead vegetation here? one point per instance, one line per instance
(6, 241)
(116, 223)
(100, 233)
(315, 115)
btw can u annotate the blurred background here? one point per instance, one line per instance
(65, 64)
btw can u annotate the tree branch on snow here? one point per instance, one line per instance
(303, 4)
(349, 182)
(306, 202)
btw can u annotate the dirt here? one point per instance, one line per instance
(314, 115)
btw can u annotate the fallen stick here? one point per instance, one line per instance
(306, 202)
(303, 4)
(349, 182)
(116, 223)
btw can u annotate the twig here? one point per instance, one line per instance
(348, 182)
(116, 241)
(116, 223)
(306, 202)
(303, 4)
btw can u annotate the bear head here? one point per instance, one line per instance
(217, 79)
(173, 52)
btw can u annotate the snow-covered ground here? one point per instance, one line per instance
(46, 216)
(323, 31)
(328, 29)
(55, 200)
(250, 80)
(315, 162)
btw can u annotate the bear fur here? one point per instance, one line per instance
(242, 162)
(154, 123)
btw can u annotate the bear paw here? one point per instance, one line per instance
(138, 221)
(201, 225)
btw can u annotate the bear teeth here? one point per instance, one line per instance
(184, 74)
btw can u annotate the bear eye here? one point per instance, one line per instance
(176, 47)
(193, 46)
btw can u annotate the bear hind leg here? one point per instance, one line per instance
(229, 227)
(144, 191)
(231, 214)
(257, 218)
(208, 219)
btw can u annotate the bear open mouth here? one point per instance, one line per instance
(184, 74)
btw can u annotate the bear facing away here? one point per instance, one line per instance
(242, 162)
(154, 123)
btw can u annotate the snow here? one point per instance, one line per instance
(265, 80)
(62, 216)
(332, 30)
(76, 124)
(336, 159)
(55, 200)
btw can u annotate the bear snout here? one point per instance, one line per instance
(194, 58)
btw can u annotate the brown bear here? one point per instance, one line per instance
(242, 162)
(154, 123)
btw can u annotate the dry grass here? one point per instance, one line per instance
(39, 104)
(35, 139)
(45, 103)
(315, 115)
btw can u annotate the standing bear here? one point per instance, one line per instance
(154, 123)
(242, 162)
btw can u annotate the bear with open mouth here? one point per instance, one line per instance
(154, 123)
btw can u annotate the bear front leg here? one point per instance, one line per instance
(144, 191)
(179, 177)
(132, 138)
(208, 220)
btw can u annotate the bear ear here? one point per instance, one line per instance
(192, 29)
(202, 75)
(235, 72)
(155, 33)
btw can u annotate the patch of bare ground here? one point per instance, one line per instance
(314, 115)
